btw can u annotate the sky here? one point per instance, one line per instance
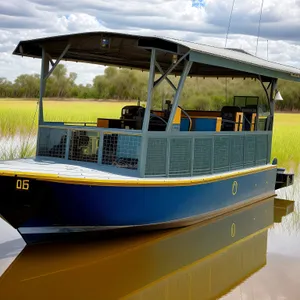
(203, 21)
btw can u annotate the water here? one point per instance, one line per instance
(253, 253)
(16, 146)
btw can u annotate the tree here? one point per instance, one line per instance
(27, 86)
(125, 84)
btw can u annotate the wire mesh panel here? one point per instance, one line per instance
(109, 149)
(120, 150)
(261, 149)
(249, 151)
(206, 154)
(156, 159)
(221, 153)
(237, 152)
(52, 142)
(203, 148)
(84, 146)
(180, 156)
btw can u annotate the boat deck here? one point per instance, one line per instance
(55, 169)
(71, 169)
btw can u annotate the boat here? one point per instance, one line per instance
(149, 169)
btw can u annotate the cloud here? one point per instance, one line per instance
(12, 9)
(192, 20)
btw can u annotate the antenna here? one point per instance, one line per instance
(259, 23)
(229, 23)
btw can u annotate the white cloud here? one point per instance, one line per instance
(26, 19)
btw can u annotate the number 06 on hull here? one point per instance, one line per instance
(22, 184)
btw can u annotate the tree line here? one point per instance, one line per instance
(125, 84)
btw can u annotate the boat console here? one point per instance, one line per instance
(230, 118)
(132, 117)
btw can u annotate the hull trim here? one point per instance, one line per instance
(179, 181)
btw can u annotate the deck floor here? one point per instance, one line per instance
(65, 168)
(87, 170)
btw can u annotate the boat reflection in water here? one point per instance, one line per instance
(204, 261)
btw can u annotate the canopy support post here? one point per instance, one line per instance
(150, 91)
(50, 60)
(44, 70)
(47, 75)
(167, 79)
(270, 96)
(266, 89)
(186, 70)
(171, 68)
(146, 121)
(272, 101)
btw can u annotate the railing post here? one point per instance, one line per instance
(269, 146)
(168, 156)
(67, 150)
(272, 102)
(192, 155)
(212, 154)
(186, 70)
(100, 149)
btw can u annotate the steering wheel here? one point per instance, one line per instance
(158, 117)
(164, 121)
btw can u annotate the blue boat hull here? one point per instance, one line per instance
(55, 207)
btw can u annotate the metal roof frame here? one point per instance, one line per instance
(134, 51)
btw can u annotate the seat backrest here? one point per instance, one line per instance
(229, 113)
(131, 112)
(250, 112)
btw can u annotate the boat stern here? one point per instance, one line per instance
(283, 179)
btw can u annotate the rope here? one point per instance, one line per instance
(34, 116)
(229, 23)
(259, 23)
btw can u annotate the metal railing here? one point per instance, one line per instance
(202, 153)
(174, 154)
(120, 148)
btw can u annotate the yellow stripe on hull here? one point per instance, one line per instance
(137, 181)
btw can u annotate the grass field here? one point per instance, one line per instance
(19, 117)
(286, 139)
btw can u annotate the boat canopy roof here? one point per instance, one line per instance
(134, 51)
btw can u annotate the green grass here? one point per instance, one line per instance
(17, 147)
(19, 117)
(286, 140)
